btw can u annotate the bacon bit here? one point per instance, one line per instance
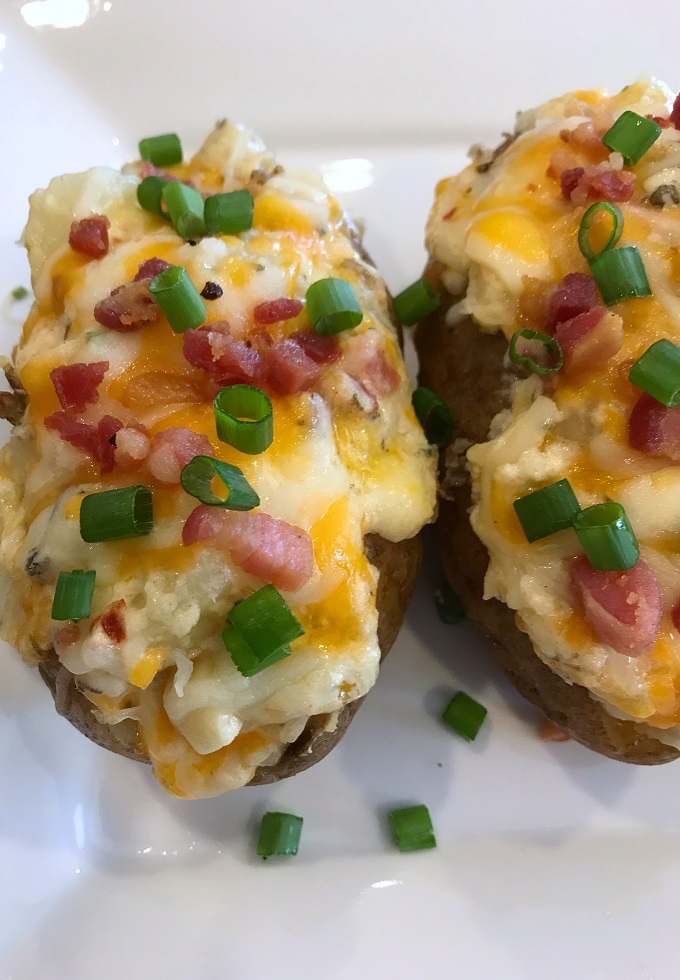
(322, 350)
(570, 180)
(661, 121)
(289, 369)
(172, 449)
(549, 732)
(76, 384)
(584, 137)
(272, 550)
(112, 621)
(127, 308)
(215, 350)
(132, 446)
(612, 185)
(575, 294)
(675, 615)
(623, 608)
(275, 310)
(370, 366)
(151, 268)
(589, 338)
(93, 439)
(90, 236)
(654, 429)
(675, 112)
(107, 428)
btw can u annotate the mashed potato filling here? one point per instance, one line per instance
(342, 465)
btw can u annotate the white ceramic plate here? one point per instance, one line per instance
(551, 861)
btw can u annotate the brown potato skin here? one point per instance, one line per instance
(464, 366)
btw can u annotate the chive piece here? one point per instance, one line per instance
(332, 306)
(599, 208)
(18, 293)
(150, 195)
(259, 631)
(178, 298)
(244, 418)
(412, 828)
(607, 537)
(162, 151)
(415, 302)
(73, 595)
(620, 274)
(465, 715)
(547, 511)
(449, 607)
(197, 479)
(434, 416)
(229, 214)
(658, 373)
(631, 136)
(185, 207)
(549, 344)
(116, 514)
(279, 834)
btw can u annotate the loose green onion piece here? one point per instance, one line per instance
(412, 828)
(415, 302)
(434, 415)
(150, 195)
(279, 834)
(185, 207)
(197, 479)
(244, 418)
(658, 373)
(600, 207)
(259, 631)
(229, 214)
(631, 136)
(18, 293)
(178, 298)
(607, 537)
(465, 715)
(620, 274)
(449, 606)
(162, 151)
(116, 514)
(546, 511)
(73, 595)
(332, 306)
(550, 345)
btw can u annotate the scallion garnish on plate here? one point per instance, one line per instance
(448, 605)
(279, 834)
(412, 828)
(464, 715)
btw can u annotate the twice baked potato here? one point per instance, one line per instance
(556, 350)
(200, 590)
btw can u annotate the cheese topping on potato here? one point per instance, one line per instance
(116, 398)
(505, 235)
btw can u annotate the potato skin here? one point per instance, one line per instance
(464, 366)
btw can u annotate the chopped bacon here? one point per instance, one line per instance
(662, 121)
(76, 384)
(570, 180)
(289, 369)
(127, 308)
(90, 236)
(107, 428)
(323, 350)
(549, 732)
(584, 136)
(370, 366)
(275, 310)
(654, 429)
(112, 621)
(675, 112)
(675, 615)
(93, 439)
(151, 268)
(214, 349)
(623, 608)
(576, 294)
(172, 449)
(272, 550)
(132, 446)
(603, 183)
(589, 338)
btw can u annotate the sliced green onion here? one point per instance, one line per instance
(244, 418)
(550, 345)
(197, 479)
(658, 373)
(18, 293)
(178, 298)
(332, 306)
(415, 302)
(73, 595)
(607, 537)
(150, 195)
(185, 207)
(631, 136)
(260, 630)
(546, 511)
(229, 214)
(600, 207)
(412, 828)
(116, 514)
(465, 715)
(620, 274)
(279, 834)
(434, 415)
(449, 606)
(162, 151)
